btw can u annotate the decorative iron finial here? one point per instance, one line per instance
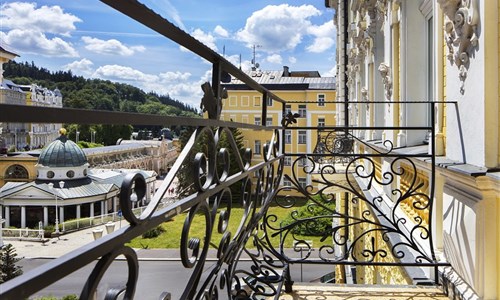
(289, 119)
(209, 103)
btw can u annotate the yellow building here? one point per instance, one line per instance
(309, 95)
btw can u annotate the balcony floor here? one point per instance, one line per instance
(303, 291)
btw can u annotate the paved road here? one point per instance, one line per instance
(159, 270)
(155, 277)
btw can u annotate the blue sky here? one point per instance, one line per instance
(95, 41)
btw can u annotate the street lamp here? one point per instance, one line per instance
(51, 187)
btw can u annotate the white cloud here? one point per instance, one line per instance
(36, 42)
(173, 76)
(112, 47)
(292, 59)
(321, 44)
(324, 37)
(122, 73)
(274, 59)
(219, 30)
(178, 85)
(50, 19)
(332, 72)
(278, 28)
(205, 38)
(235, 60)
(80, 67)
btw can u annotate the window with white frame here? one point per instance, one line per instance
(303, 182)
(321, 100)
(302, 110)
(288, 136)
(302, 136)
(257, 121)
(257, 100)
(321, 122)
(257, 147)
(269, 101)
(269, 121)
(288, 109)
(287, 182)
(233, 101)
(288, 161)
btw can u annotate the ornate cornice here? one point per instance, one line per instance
(461, 33)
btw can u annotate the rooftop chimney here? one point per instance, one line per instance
(286, 71)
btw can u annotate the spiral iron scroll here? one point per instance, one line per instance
(212, 201)
(406, 239)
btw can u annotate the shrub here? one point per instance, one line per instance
(70, 297)
(314, 227)
(152, 233)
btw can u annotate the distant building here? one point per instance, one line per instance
(22, 136)
(313, 96)
(77, 190)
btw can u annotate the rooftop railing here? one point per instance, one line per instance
(349, 212)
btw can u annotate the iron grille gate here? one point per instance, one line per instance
(355, 184)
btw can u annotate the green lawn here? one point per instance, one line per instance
(171, 237)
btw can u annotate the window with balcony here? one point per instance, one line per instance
(302, 136)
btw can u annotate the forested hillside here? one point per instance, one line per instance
(79, 92)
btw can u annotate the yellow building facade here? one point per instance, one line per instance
(307, 93)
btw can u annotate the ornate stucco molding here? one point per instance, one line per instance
(385, 72)
(461, 33)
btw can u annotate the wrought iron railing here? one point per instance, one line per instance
(364, 223)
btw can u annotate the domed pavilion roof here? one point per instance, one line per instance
(62, 153)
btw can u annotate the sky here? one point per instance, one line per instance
(95, 41)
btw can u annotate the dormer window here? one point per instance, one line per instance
(70, 174)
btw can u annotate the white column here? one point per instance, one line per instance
(23, 216)
(103, 203)
(78, 211)
(91, 209)
(45, 216)
(7, 216)
(61, 216)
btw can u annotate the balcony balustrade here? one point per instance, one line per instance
(364, 206)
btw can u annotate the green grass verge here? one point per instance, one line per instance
(173, 230)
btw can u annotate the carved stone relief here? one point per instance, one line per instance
(461, 33)
(385, 72)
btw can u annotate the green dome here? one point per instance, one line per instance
(62, 153)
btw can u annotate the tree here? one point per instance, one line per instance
(186, 173)
(8, 260)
